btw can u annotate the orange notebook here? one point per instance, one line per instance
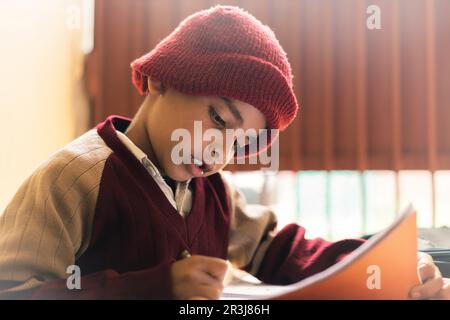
(385, 267)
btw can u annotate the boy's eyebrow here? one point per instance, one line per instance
(233, 109)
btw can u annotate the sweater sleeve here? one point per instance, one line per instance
(291, 257)
(47, 226)
(152, 283)
(277, 257)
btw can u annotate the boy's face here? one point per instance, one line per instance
(171, 110)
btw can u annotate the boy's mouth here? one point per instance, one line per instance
(198, 167)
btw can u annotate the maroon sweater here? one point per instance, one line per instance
(137, 234)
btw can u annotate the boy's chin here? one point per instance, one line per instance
(184, 172)
(178, 173)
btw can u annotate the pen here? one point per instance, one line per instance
(185, 254)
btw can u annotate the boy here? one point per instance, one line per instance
(115, 204)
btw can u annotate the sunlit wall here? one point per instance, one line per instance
(40, 62)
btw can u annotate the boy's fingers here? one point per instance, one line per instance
(423, 258)
(429, 289)
(426, 271)
(445, 291)
(205, 292)
(206, 278)
(214, 266)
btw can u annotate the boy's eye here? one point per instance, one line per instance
(216, 118)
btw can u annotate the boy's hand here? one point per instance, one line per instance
(198, 277)
(433, 285)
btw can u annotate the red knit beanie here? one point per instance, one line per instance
(224, 51)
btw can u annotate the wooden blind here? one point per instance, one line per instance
(370, 99)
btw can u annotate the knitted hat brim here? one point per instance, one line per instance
(259, 84)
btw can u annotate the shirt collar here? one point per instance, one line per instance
(151, 168)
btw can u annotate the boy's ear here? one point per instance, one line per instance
(155, 88)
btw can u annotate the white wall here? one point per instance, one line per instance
(40, 63)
